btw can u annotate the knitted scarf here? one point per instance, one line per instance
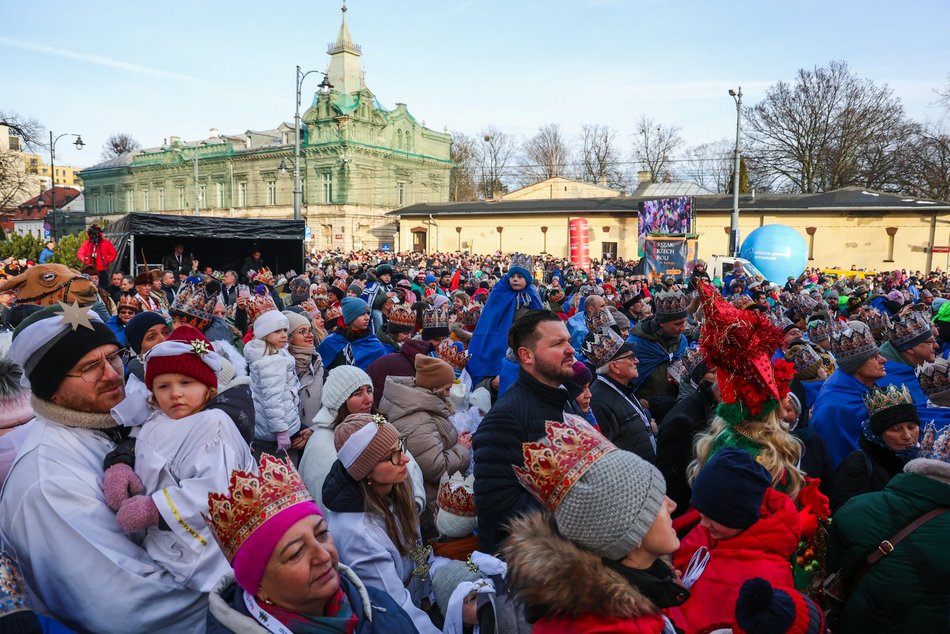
(338, 617)
(303, 356)
(70, 417)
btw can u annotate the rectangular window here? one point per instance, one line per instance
(242, 194)
(95, 203)
(161, 199)
(401, 194)
(181, 196)
(271, 192)
(219, 194)
(130, 200)
(110, 203)
(145, 205)
(328, 187)
(203, 196)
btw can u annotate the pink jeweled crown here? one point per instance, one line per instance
(251, 500)
(553, 464)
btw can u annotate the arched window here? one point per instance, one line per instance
(398, 139)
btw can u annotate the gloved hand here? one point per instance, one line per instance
(137, 513)
(283, 441)
(119, 483)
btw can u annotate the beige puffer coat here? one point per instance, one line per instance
(423, 418)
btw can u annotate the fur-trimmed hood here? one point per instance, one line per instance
(550, 573)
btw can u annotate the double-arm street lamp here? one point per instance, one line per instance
(325, 87)
(52, 171)
(734, 222)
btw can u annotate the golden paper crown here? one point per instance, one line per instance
(880, 399)
(453, 353)
(264, 276)
(251, 500)
(128, 301)
(555, 463)
(403, 315)
(258, 304)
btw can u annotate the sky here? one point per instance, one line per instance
(175, 68)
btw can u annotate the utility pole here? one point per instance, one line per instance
(734, 221)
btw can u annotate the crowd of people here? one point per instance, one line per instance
(455, 443)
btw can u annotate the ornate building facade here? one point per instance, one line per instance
(358, 160)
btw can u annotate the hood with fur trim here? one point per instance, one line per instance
(550, 574)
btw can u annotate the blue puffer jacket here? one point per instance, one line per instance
(375, 610)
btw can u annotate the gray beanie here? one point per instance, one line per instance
(612, 506)
(447, 577)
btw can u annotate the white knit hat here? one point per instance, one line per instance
(271, 321)
(295, 320)
(341, 382)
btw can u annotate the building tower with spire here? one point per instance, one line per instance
(359, 160)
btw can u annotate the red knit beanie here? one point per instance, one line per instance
(188, 363)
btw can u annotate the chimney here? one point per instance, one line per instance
(644, 176)
(213, 133)
(174, 140)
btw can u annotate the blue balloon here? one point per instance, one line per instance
(777, 250)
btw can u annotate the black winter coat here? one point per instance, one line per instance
(674, 445)
(622, 420)
(854, 477)
(517, 417)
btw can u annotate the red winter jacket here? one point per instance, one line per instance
(99, 256)
(402, 363)
(763, 550)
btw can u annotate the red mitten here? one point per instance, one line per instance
(119, 483)
(809, 522)
(811, 496)
(137, 513)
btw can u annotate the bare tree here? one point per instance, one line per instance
(463, 183)
(709, 165)
(925, 169)
(545, 155)
(494, 152)
(118, 144)
(819, 133)
(600, 156)
(654, 145)
(16, 182)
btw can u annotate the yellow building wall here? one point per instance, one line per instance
(65, 175)
(561, 188)
(839, 240)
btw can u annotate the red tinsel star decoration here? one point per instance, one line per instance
(740, 345)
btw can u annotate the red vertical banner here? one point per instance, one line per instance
(579, 234)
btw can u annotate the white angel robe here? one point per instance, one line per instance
(82, 568)
(179, 463)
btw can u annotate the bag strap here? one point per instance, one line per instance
(887, 546)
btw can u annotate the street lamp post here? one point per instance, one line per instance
(325, 87)
(734, 222)
(52, 172)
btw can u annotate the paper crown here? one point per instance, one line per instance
(852, 340)
(933, 444)
(471, 316)
(599, 320)
(934, 378)
(804, 302)
(601, 346)
(782, 322)
(741, 301)
(340, 283)
(403, 315)
(554, 464)
(629, 295)
(128, 301)
(251, 500)
(876, 320)
(194, 305)
(333, 312)
(820, 330)
(880, 399)
(521, 261)
(457, 496)
(740, 345)
(263, 276)
(806, 359)
(310, 306)
(435, 318)
(453, 353)
(670, 303)
(258, 304)
(910, 327)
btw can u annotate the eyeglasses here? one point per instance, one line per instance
(304, 331)
(93, 372)
(396, 456)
